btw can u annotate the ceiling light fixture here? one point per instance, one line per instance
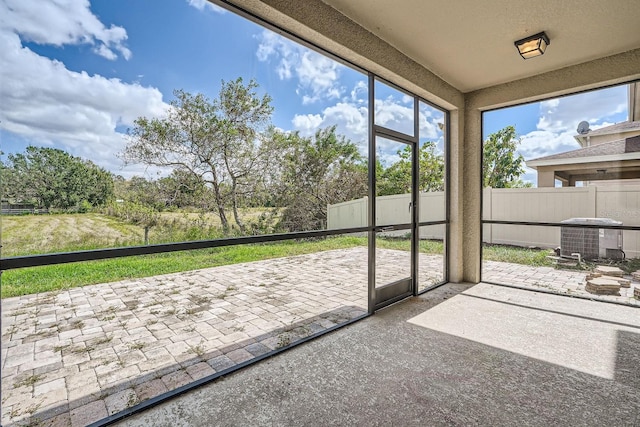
(532, 46)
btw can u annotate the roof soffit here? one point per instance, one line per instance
(470, 44)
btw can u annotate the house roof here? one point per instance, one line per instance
(621, 146)
(618, 159)
(617, 128)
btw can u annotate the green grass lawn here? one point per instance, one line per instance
(48, 278)
(55, 277)
(516, 255)
(58, 233)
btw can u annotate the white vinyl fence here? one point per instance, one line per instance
(621, 203)
(390, 210)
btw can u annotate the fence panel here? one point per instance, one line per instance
(432, 208)
(347, 214)
(534, 205)
(621, 203)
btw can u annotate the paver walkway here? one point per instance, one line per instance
(569, 282)
(73, 357)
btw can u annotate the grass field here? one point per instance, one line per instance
(38, 234)
(211, 219)
(34, 234)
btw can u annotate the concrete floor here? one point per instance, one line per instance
(460, 355)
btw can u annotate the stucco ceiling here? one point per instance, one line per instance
(469, 43)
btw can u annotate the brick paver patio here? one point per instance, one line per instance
(569, 282)
(75, 356)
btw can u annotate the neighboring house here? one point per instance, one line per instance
(615, 162)
(603, 135)
(609, 155)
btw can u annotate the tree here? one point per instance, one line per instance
(182, 189)
(396, 179)
(215, 141)
(142, 191)
(52, 178)
(8, 182)
(316, 172)
(243, 115)
(179, 189)
(502, 166)
(143, 215)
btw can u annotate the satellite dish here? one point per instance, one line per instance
(583, 128)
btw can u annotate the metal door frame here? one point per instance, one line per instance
(403, 288)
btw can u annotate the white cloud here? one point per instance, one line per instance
(601, 125)
(550, 104)
(542, 143)
(46, 104)
(429, 129)
(350, 119)
(105, 52)
(529, 176)
(559, 118)
(307, 124)
(318, 76)
(392, 115)
(202, 4)
(564, 114)
(350, 116)
(359, 93)
(58, 23)
(431, 122)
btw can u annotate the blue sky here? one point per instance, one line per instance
(548, 127)
(76, 75)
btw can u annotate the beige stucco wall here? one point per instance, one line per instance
(611, 70)
(457, 179)
(634, 102)
(323, 26)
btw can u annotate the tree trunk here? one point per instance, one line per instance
(220, 204)
(146, 235)
(236, 216)
(223, 218)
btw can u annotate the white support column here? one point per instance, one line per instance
(593, 204)
(472, 194)
(546, 178)
(456, 191)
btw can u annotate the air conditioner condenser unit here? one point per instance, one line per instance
(591, 243)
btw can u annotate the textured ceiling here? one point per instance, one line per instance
(469, 43)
